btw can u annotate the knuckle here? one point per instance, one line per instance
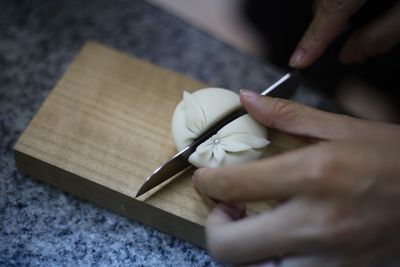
(314, 37)
(326, 164)
(285, 110)
(226, 189)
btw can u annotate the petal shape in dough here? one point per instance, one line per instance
(240, 141)
(195, 119)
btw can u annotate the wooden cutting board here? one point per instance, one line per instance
(105, 127)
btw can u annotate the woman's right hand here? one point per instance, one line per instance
(377, 37)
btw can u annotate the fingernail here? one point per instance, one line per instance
(249, 95)
(235, 211)
(296, 58)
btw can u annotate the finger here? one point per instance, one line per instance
(299, 119)
(240, 241)
(378, 37)
(309, 170)
(332, 168)
(330, 18)
(277, 177)
(287, 229)
(290, 229)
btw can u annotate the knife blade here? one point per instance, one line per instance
(283, 88)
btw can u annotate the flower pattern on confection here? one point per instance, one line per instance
(217, 146)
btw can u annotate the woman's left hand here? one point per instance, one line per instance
(342, 193)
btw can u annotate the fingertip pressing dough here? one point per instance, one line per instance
(240, 141)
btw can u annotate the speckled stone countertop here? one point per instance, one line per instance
(43, 226)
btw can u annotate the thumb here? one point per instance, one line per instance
(298, 119)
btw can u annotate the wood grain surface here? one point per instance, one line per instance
(105, 127)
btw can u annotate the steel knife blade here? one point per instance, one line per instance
(283, 88)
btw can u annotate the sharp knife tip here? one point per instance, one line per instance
(140, 192)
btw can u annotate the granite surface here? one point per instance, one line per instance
(43, 226)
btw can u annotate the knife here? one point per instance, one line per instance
(282, 88)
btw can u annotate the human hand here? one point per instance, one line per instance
(377, 37)
(341, 192)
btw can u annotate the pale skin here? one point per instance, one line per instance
(342, 191)
(339, 194)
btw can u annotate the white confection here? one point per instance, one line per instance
(240, 141)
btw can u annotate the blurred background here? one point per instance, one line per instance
(269, 31)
